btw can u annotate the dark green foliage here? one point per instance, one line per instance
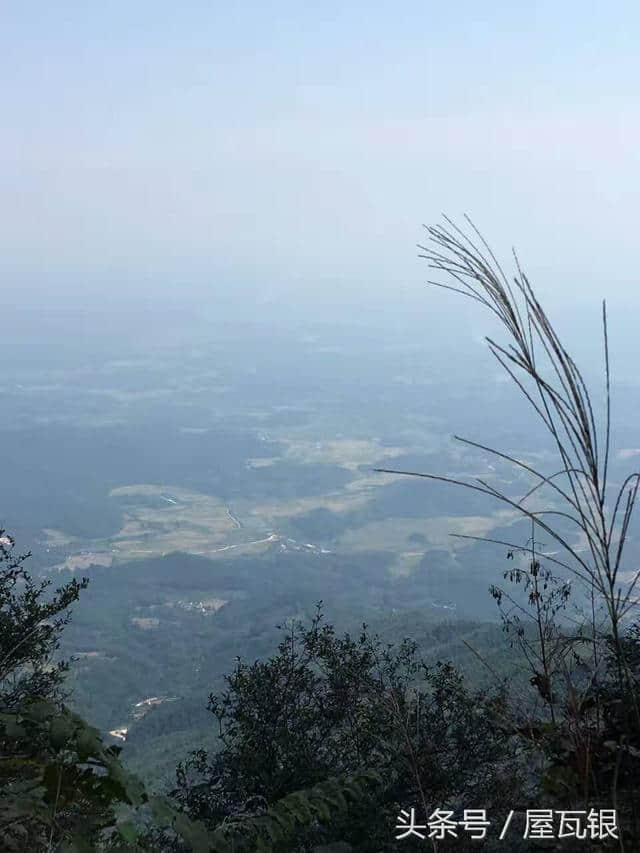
(61, 788)
(592, 752)
(322, 745)
(330, 705)
(30, 627)
(58, 783)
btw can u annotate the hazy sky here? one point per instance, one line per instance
(289, 152)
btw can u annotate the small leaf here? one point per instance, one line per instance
(128, 832)
(162, 811)
(193, 832)
(40, 710)
(61, 731)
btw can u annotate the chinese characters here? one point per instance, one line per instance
(539, 824)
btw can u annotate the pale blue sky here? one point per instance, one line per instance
(290, 151)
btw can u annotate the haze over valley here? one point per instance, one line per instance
(216, 486)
